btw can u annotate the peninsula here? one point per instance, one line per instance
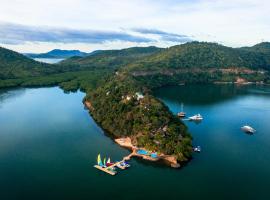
(119, 83)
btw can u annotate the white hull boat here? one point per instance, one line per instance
(197, 117)
(248, 129)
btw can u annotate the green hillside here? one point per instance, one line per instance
(200, 62)
(14, 65)
(147, 121)
(263, 47)
(113, 97)
(202, 55)
(111, 59)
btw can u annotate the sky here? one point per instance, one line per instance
(87, 25)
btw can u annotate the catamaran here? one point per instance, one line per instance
(197, 117)
(248, 129)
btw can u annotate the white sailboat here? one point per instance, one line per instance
(182, 113)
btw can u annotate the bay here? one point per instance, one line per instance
(49, 144)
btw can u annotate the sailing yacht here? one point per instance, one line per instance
(182, 113)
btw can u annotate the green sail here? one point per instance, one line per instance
(104, 162)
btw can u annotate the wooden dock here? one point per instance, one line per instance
(117, 164)
(106, 170)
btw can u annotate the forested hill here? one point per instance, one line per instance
(205, 55)
(112, 59)
(14, 65)
(263, 47)
(122, 102)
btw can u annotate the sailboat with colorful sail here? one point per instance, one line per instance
(99, 162)
(104, 162)
(103, 167)
(109, 163)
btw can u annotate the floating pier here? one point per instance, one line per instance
(107, 170)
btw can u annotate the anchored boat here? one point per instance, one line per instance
(248, 129)
(182, 113)
(197, 117)
(197, 149)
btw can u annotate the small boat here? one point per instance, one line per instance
(126, 164)
(99, 162)
(182, 113)
(103, 167)
(123, 165)
(248, 129)
(197, 149)
(109, 163)
(197, 117)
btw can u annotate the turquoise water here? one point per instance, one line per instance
(142, 152)
(49, 144)
(154, 155)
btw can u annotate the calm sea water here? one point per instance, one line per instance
(49, 144)
(49, 60)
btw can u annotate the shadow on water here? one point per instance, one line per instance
(209, 94)
(7, 94)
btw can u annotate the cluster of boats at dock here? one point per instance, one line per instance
(110, 167)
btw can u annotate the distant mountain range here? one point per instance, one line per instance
(58, 53)
(140, 60)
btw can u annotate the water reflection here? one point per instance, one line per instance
(209, 94)
(10, 94)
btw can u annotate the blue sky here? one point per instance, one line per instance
(87, 25)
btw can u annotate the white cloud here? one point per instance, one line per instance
(232, 22)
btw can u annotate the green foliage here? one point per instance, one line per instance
(14, 65)
(148, 121)
(110, 59)
(200, 55)
(113, 95)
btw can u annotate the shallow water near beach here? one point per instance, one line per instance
(49, 144)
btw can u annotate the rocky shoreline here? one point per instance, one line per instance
(168, 159)
(126, 143)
